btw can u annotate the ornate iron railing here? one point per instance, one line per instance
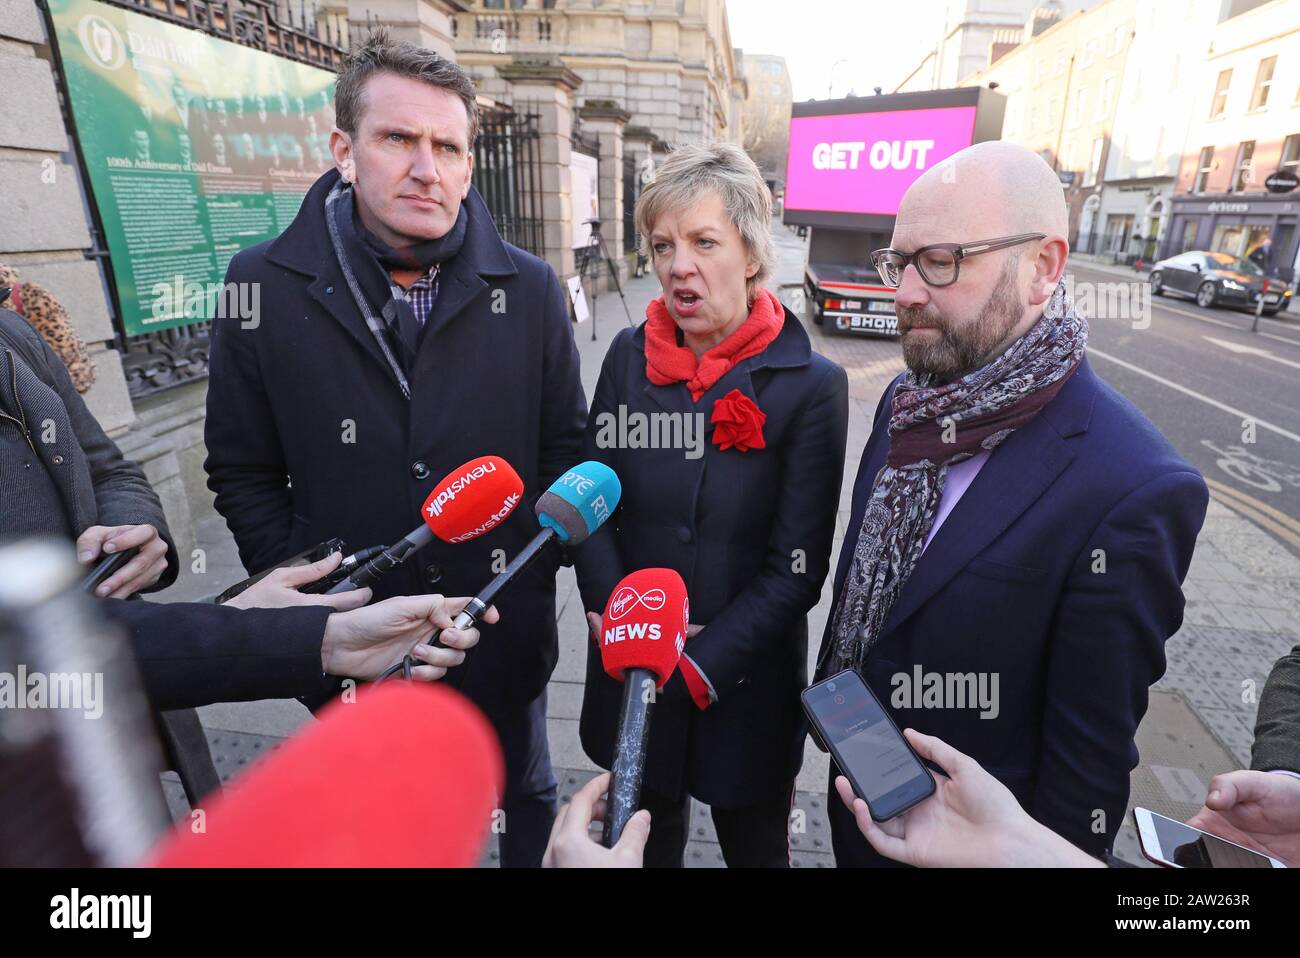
(300, 30)
(508, 175)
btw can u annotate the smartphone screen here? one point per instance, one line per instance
(867, 746)
(1188, 847)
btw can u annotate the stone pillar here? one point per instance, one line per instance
(607, 120)
(43, 228)
(639, 141)
(546, 88)
(426, 23)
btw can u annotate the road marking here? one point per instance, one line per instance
(1224, 322)
(1279, 523)
(1205, 319)
(1250, 350)
(1282, 339)
(1209, 401)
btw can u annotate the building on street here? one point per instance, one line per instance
(1246, 128)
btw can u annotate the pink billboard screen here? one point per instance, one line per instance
(864, 162)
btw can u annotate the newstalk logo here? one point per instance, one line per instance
(459, 485)
(492, 521)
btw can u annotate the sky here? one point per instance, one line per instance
(847, 44)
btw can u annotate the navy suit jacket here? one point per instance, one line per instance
(1060, 572)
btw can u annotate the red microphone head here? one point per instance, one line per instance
(644, 626)
(473, 499)
(406, 776)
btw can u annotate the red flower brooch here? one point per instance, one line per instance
(739, 422)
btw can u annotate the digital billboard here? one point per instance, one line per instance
(851, 160)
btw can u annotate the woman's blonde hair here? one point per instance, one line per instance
(723, 168)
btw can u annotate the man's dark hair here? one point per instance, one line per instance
(381, 54)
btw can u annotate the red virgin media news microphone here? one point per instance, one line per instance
(468, 502)
(409, 750)
(642, 635)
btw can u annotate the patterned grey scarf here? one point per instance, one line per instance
(932, 426)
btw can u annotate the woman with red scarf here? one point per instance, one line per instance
(728, 434)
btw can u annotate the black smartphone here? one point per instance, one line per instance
(306, 557)
(883, 769)
(105, 568)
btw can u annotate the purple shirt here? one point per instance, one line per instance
(960, 476)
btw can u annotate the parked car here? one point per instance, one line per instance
(1217, 279)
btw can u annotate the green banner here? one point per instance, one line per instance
(196, 148)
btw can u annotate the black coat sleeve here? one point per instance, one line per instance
(245, 464)
(1277, 728)
(123, 496)
(192, 654)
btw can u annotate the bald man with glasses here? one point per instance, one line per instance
(1014, 559)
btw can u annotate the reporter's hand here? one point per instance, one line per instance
(571, 844)
(278, 589)
(972, 820)
(366, 642)
(1260, 810)
(142, 571)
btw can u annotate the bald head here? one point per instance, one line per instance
(988, 191)
(991, 189)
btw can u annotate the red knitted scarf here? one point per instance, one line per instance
(667, 363)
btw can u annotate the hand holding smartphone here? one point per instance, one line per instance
(1174, 844)
(867, 746)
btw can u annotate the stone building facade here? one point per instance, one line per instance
(767, 115)
(1245, 97)
(610, 76)
(45, 234)
(638, 77)
(1062, 87)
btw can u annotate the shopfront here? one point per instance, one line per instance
(1238, 226)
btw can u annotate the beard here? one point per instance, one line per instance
(960, 350)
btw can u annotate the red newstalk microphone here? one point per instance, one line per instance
(468, 502)
(642, 635)
(345, 791)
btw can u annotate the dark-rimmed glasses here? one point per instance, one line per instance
(939, 263)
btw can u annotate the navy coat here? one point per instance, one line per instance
(309, 436)
(750, 533)
(1012, 584)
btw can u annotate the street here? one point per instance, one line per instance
(1228, 399)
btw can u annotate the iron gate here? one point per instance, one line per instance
(507, 173)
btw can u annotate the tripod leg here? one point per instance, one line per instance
(613, 272)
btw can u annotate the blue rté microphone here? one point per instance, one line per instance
(572, 509)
